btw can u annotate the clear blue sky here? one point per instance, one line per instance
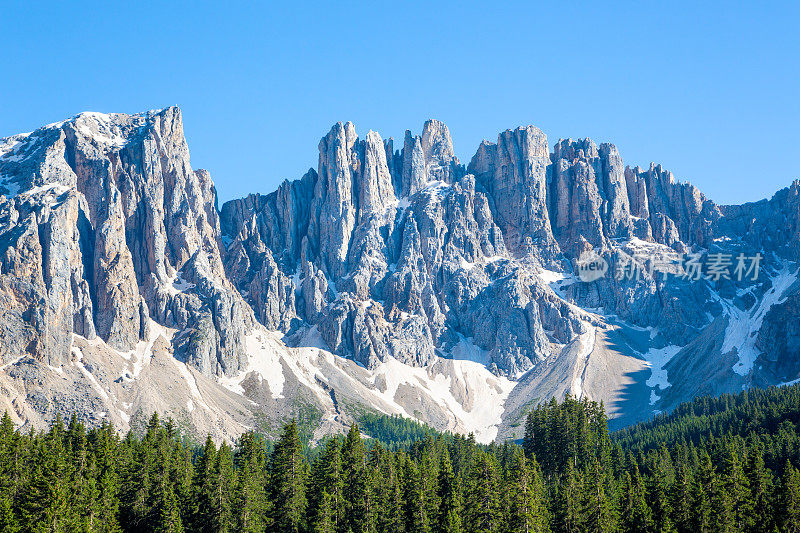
(710, 92)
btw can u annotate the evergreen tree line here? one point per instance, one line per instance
(568, 475)
(770, 416)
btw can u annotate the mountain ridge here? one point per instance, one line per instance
(400, 281)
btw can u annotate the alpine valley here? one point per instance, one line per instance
(391, 279)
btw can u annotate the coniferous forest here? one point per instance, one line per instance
(713, 465)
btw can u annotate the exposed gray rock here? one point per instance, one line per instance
(772, 225)
(414, 174)
(119, 214)
(589, 195)
(671, 206)
(117, 315)
(514, 173)
(779, 341)
(106, 231)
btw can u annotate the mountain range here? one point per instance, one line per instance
(390, 279)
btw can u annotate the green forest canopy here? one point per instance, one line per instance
(714, 464)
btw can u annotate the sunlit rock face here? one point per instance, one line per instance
(386, 257)
(119, 229)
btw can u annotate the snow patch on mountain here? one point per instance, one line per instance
(191, 382)
(656, 359)
(102, 128)
(466, 350)
(789, 383)
(78, 362)
(178, 285)
(743, 326)
(263, 359)
(480, 416)
(462, 387)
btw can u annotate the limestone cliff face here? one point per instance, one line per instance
(119, 229)
(106, 231)
(397, 260)
(589, 195)
(402, 254)
(514, 173)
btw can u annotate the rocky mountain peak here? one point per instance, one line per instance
(138, 223)
(402, 266)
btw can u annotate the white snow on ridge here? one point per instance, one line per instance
(140, 356)
(462, 388)
(551, 276)
(57, 188)
(12, 362)
(636, 243)
(656, 359)
(789, 383)
(105, 131)
(264, 360)
(466, 265)
(179, 285)
(743, 326)
(436, 189)
(557, 281)
(488, 392)
(443, 383)
(191, 381)
(9, 145)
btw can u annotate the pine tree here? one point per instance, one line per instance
(428, 470)
(759, 518)
(658, 486)
(163, 505)
(182, 473)
(250, 499)
(414, 510)
(326, 482)
(167, 517)
(527, 511)
(45, 505)
(222, 519)
(598, 507)
(144, 478)
(388, 491)
(680, 498)
(324, 516)
(567, 512)
(103, 442)
(8, 475)
(482, 488)
(357, 490)
(732, 494)
(203, 488)
(71, 480)
(448, 491)
(83, 488)
(789, 500)
(702, 506)
(8, 521)
(636, 514)
(132, 483)
(287, 482)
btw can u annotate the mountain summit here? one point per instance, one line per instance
(391, 281)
